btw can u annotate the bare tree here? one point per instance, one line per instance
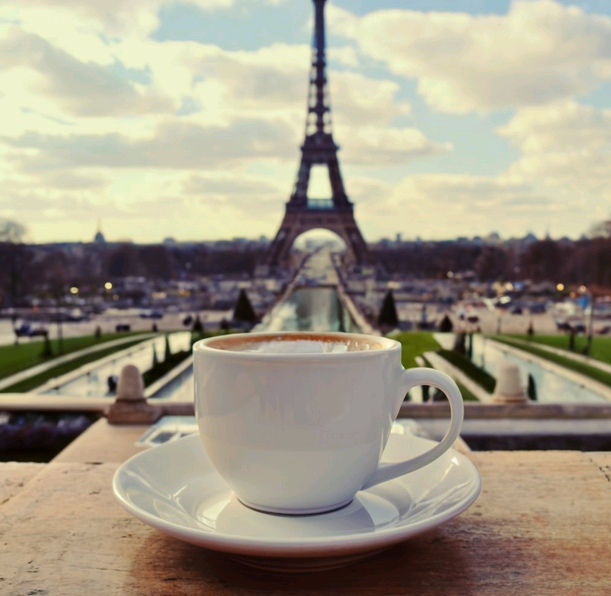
(600, 230)
(14, 261)
(12, 232)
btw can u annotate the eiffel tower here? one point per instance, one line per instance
(302, 213)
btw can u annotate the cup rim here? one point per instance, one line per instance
(204, 346)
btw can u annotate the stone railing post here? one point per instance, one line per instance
(508, 389)
(131, 407)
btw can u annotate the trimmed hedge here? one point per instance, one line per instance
(474, 372)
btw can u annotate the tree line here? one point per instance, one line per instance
(586, 261)
(28, 270)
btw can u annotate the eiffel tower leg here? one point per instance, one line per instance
(295, 224)
(281, 245)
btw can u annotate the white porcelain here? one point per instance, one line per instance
(302, 433)
(175, 488)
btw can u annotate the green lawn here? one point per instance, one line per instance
(584, 369)
(149, 376)
(61, 369)
(415, 343)
(15, 358)
(601, 346)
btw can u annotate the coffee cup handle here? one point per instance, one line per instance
(411, 378)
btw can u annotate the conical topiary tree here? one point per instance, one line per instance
(530, 331)
(388, 313)
(198, 327)
(47, 350)
(532, 388)
(168, 351)
(243, 311)
(446, 325)
(460, 344)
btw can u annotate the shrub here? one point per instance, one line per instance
(446, 325)
(388, 314)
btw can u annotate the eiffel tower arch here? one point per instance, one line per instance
(335, 213)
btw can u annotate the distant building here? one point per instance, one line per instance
(99, 237)
(493, 238)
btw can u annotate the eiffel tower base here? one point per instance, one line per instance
(294, 224)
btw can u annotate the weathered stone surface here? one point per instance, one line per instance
(14, 477)
(540, 527)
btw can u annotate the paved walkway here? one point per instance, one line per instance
(40, 368)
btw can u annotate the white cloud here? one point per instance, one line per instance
(565, 146)
(175, 144)
(229, 186)
(539, 51)
(114, 17)
(344, 55)
(559, 126)
(371, 145)
(430, 205)
(73, 181)
(81, 89)
(273, 80)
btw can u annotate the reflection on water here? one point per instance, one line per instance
(551, 387)
(311, 309)
(94, 382)
(180, 388)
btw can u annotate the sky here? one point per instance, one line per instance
(162, 119)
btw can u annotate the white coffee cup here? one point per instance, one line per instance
(302, 433)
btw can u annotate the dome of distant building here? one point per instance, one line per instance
(169, 240)
(99, 237)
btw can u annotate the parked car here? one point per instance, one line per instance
(537, 308)
(26, 330)
(151, 314)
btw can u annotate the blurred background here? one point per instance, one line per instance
(438, 171)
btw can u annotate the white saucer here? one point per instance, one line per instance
(174, 488)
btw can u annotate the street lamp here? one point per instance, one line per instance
(108, 285)
(584, 290)
(74, 290)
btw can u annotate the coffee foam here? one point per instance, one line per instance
(295, 343)
(300, 346)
